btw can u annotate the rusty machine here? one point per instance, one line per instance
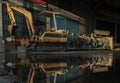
(57, 50)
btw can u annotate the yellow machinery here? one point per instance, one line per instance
(50, 36)
(54, 39)
(57, 40)
(18, 40)
(45, 66)
(26, 13)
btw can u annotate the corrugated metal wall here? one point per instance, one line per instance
(1, 30)
(6, 20)
(22, 25)
(73, 26)
(66, 24)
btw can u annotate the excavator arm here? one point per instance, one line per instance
(23, 11)
(10, 13)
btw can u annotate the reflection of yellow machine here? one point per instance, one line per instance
(48, 73)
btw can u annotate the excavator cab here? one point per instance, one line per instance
(52, 34)
(52, 37)
(48, 15)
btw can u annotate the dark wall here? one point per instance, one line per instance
(54, 2)
(66, 4)
(86, 11)
(81, 9)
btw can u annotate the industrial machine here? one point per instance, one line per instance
(47, 38)
(58, 40)
(55, 47)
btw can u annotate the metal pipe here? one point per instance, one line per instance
(55, 23)
(55, 77)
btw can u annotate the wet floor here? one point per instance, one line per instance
(102, 77)
(105, 77)
(113, 76)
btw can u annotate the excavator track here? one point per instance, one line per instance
(45, 48)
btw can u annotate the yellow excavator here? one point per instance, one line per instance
(52, 38)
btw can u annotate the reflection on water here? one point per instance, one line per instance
(74, 76)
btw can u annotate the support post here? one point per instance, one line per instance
(1, 30)
(115, 33)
